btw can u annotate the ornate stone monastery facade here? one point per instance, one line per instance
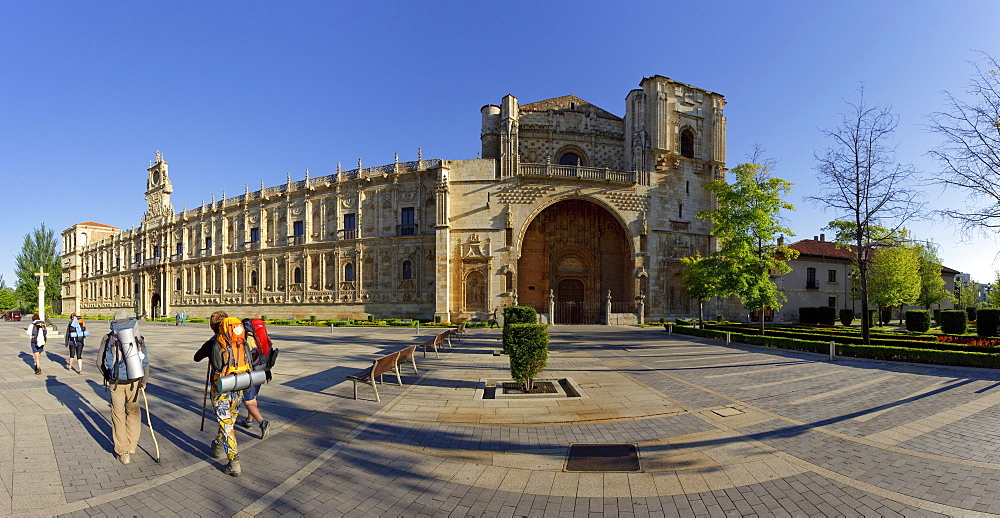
(573, 210)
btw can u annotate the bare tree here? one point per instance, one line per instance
(864, 185)
(970, 153)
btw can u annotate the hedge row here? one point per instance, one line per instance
(900, 341)
(874, 352)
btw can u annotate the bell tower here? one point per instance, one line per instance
(158, 189)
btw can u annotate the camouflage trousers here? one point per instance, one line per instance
(227, 409)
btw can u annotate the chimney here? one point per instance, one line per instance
(815, 238)
(781, 240)
(822, 237)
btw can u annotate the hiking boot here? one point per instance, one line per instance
(38, 371)
(265, 428)
(233, 468)
(216, 450)
(244, 422)
(125, 458)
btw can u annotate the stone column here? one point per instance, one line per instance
(607, 310)
(552, 306)
(41, 292)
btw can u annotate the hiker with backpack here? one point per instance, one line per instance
(230, 372)
(124, 363)
(76, 332)
(262, 358)
(37, 332)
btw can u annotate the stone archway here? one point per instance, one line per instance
(576, 251)
(154, 306)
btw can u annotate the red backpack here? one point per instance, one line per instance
(258, 330)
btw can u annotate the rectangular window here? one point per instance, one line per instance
(407, 227)
(831, 276)
(350, 226)
(208, 244)
(180, 249)
(811, 279)
(831, 301)
(255, 235)
(156, 252)
(298, 232)
(138, 258)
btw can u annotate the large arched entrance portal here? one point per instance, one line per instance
(580, 252)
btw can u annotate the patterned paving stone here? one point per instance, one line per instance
(801, 436)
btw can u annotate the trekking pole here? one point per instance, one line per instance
(149, 421)
(204, 400)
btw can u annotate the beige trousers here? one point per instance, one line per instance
(126, 417)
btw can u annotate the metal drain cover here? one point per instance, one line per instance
(727, 411)
(603, 457)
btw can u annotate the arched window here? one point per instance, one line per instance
(178, 284)
(571, 158)
(687, 143)
(407, 270)
(349, 272)
(297, 276)
(253, 277)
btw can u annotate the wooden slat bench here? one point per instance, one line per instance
(406, 355)
(459, 332)
(435, 343)
(383, 365)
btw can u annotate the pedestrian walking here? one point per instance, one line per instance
(177, 319)
(261, 352)
(76, 333)
(494, 320)
(227, 352)
(124, 363)
(37, 332)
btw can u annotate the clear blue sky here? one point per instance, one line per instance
(233, 93)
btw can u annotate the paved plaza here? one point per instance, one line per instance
(721, 431)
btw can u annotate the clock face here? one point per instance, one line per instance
(156, 177)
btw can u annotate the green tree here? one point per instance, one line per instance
(966, 293)
(747, 225)
(40, 249)
(931, 283)
(8, 299)
(894, 277)
(700, 281)
(865, 186)
(993, 294)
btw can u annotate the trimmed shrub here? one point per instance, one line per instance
(516, 315)
(826, 315)
(988, 322)
(528, 347)
(971, 312)
(808, 316)
(519, 315)
(937, 317)
(872, 316)
(918, 320)
(847, 316)
(954, 322)
(886, 316)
